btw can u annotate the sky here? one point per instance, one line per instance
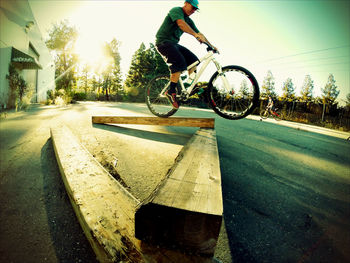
(291, 38)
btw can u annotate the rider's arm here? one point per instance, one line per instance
(187, 29)
(207, 41)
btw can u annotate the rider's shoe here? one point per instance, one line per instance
(172, 99)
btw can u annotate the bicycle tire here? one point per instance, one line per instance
(277, 115)
(159, 106)
(264, 114)
(237, 103)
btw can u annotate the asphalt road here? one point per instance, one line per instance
(286, 192)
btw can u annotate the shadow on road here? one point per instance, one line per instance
(67, 236)
(181, 138)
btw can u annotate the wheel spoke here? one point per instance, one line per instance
(159, 106)
(233, 94)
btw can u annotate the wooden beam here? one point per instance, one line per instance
(185, 210)
(173, 121)
(105, 210)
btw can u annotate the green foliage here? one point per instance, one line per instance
(18, 89)
(62, 38)
(111, 75)
(307, 89)
(62, 97)
(348, 100)
(79, 96)
(330, 92)
(288, 90)
(145, 65)
(72, 76)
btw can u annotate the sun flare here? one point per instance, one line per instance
(89, 50)
(91, 53)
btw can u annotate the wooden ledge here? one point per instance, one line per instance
(173, 121)
(185, 210)
(105, 210)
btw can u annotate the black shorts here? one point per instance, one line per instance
(177, 56)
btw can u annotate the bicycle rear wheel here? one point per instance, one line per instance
(277, 114)
(157, 103)
(237, 100)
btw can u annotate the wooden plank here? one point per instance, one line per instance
(105, 210)
(173, 121)
(199, 166)
(189, 200)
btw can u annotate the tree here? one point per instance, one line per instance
(135, 78)
(330, 92)
(111, 73)
(306, 89)
(268, 87)
(244, 91)
(61, 40)
(145, 65)
(160, 66)
(348, 100)
(84, 77)
(288, 90)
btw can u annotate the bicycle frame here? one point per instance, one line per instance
(205, 60)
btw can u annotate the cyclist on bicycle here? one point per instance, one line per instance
(271, 104)
(176, 56)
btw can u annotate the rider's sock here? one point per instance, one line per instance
(172, 88)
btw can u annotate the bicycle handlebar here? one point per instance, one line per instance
(210, 47)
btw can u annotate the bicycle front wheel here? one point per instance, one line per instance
(234, 93)
(156, 102)
(264, 114)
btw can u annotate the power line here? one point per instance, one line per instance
(307, 60)
(304, 53)
(317, 65)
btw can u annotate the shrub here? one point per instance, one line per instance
(18, 87)
(79, 96)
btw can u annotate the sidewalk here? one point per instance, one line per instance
(305, 127)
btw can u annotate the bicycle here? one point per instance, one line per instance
(222, 91)
(275, 113)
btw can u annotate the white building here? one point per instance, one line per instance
(22, 45)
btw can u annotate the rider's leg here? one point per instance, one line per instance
(174, 77)
(178, 57)
(171, 93)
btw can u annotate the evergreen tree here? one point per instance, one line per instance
(306, 89)
(268, 87)
(348, 100)
(330, 92)
(145, 65)
(160, 66)
(134, 80)
(288, 90)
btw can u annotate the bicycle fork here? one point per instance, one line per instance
(223, 77)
